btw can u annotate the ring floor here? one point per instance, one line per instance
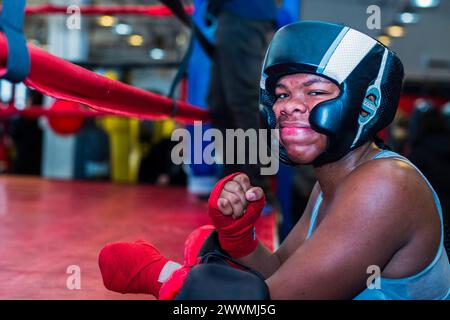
(49, 228)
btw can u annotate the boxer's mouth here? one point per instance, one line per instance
(298, 125)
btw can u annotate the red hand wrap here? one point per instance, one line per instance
(192, 246)
(136, 267)
(236, 236)
(131, 267)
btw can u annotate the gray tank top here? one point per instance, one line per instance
(432, 283)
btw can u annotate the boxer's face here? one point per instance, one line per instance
(297, 95)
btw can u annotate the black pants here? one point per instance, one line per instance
(233, 96)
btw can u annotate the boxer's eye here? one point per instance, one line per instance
(281, 96)
(316, 93)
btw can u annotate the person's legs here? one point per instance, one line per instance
(220, 115)
(240, 53)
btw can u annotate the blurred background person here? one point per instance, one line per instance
(398, 132)
(429, 150)
(244, 29)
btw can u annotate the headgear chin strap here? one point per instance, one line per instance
(368, 74)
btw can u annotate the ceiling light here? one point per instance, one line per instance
(106, 21)
(425, 3)
(157, 53)
(123, 29)
(395, 31)
(181, 39)
(408, 17)
(136, 40)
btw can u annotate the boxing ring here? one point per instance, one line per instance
(48, 226)
(60, 79)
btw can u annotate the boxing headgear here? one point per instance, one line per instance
(368, 74)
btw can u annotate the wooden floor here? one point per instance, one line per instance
(47, 226)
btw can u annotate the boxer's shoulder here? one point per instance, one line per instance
(388, 186)
(390, 174)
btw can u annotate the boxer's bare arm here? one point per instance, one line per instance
(266, 262)
(297, 235)
(371, 218)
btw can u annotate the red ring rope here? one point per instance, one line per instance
(7, 111)
(147, 10)
(61, 79)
